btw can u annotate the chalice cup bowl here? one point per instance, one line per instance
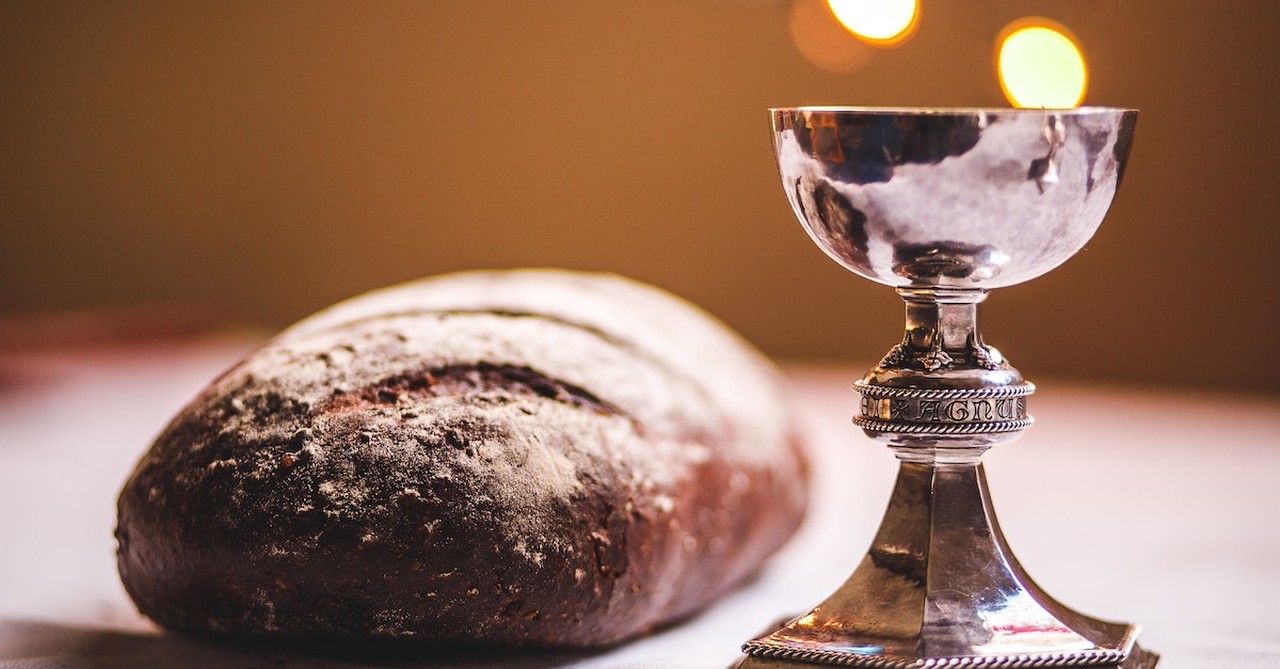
(945, 205)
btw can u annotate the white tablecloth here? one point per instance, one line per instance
(1129, 504)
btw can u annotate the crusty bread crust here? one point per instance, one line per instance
(514, 457)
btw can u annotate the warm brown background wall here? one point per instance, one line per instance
(267, 158)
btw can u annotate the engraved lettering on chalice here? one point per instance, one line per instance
(945, 205)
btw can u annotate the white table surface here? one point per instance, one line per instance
(1130, 504)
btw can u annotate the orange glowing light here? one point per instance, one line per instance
(821, 40)
(883, 23)
(1040, 65)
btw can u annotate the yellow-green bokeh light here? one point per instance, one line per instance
(1040, 66)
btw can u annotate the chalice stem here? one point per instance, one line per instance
(941, 330)
(940, 584)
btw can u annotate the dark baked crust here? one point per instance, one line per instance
(520, 457)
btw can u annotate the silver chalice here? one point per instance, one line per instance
(945, 205)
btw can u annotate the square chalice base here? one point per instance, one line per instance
(1138, 659)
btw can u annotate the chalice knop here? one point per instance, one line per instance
(945, 205)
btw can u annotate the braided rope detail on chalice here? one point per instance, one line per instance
(847, 659)
(942, 428)
(869, 390)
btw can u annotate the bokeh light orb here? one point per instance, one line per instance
(1041, 65)
(822, 41)
(883, 23)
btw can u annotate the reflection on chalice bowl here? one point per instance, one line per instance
(945, 205)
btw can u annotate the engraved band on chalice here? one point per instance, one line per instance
(943, 410)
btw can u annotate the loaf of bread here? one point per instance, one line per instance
(533, 456)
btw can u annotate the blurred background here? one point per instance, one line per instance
(249, 162)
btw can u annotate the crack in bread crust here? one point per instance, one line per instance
(466, 379)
